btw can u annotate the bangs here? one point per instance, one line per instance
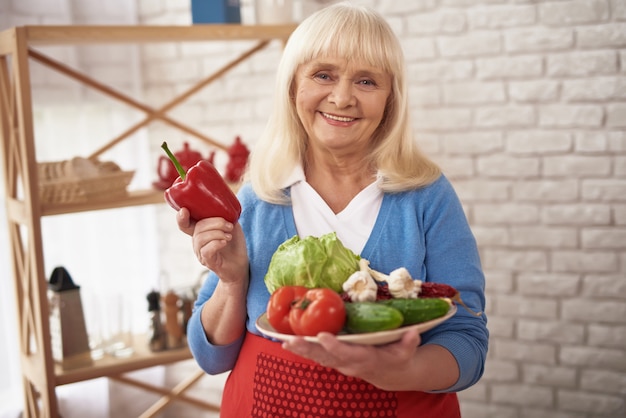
(354, 34)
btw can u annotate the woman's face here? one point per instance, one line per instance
(340, 103)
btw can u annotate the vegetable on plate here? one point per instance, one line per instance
(307, 312)
(371, 317)
(360, 286)
(317, 284)
(313, 262)
(415, 311)
(400, 285)
(280, 304)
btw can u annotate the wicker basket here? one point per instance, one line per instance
(60, 182)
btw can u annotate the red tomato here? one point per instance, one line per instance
(319, 310)
(280, 304)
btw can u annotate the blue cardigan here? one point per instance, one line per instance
(424, 230)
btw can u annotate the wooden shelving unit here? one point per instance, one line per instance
(24, 209)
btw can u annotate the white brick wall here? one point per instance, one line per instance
(523, 103)
(525, 111)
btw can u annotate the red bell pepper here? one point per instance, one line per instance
(203, 191)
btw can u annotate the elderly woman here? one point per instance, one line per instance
(338, 155)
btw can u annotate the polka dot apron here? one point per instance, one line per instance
(269, 382)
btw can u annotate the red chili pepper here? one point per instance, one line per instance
(437, 290)
(442, 290)
(203, 191)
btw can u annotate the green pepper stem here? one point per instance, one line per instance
(179, 168)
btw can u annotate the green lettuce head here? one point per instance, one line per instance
(311, 262)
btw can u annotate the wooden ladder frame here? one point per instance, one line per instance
(40, 375)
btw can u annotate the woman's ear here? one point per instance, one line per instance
(292, 90)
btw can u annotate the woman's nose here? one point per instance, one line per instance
(342, 94)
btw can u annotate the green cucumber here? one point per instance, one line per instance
(371, 317)
(419, 310)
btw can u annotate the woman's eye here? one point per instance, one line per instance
(367, 83)
(322, 76)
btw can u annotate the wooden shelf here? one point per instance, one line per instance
(77, 34)
(133, 198)
(110, 366)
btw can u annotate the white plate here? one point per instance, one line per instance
(369, 338)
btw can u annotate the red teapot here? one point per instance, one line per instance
(238, 158)
(166, 170)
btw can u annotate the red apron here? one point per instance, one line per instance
(270, 382)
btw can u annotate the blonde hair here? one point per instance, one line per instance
(354, 33)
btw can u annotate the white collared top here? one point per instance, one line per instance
(313, 216)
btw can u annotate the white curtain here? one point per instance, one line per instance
(111, 249)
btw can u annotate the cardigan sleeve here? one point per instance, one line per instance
(452, 257)
(213, 359)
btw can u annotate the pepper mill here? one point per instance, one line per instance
(70, 343)
(187, 309)
(172, 322)
(158, 337)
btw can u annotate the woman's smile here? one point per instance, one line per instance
(336, 118)
(339, 121)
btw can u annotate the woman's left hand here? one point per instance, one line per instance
(379, 365)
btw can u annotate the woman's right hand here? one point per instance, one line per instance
(218, 245)
(185, 224)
